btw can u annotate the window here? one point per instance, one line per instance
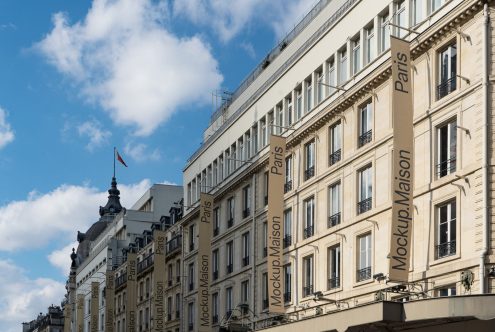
(446, 149)
(334, 205)
(245, 293)
(384, 32)
(228, 162)
(309, 160)
(216, 221)
(334, 267)
(331, 76)
(269, 126)
(191, 238)
(190, 316)
(263, 132)
(307, 275)
(265, 187)
(309, 96)
(343, 66)
(169, 270)
(416, 11)
(240, 144)
(228, 301)
(298, 104)
(446, 238)
(287, 228)
(169, 308)
(177, 271)
(365, 130)
(189, 193)
(335, 143)
(400, 16)
(214, 263)
(230, 257)
(233, 158)
(288, 174)
(289, 110)
(319, 87)
(190, 276)
(214, 309)
(247, 136)
(214, 174)
(365, 190)
(230, 212)
(447, 291)
(279, 118)
(245, 249)
(364, 259)
(254, 130)
(265, 239)
(287, 283)
(309, 217)
(369, 33)
(264, 291)
(177, 305)
(356, 56)
(208, 178)
(435, 5)
(220, 168)
(246, 201)
(447, 75)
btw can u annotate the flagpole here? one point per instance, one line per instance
(114, 149)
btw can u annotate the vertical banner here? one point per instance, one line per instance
(402, 161)
(130, 308)
(67, 316)
(95, 290)
(109, 300)
(80, 313)
(276, 176)
(204, 258)
(159, 281)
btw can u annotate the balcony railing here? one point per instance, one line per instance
(365, 138)
(287, 186)
(333, 282)
(216, 231)
(230, 222)
(146, 263)
(121, 280)
(446, 87)
(446, 249)
(363, 274)
(307, 290)
(309, 173)
(230, 268)
(215, 275)
(364, 205)
(246, 212)
(174, 244)
(287, 297)
(335, 157)
(245, 261)
(334, 220)
(308, 232)
(287, 240)
(446, 167)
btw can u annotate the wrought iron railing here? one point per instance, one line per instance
(287, 240)
(307, 290)
(287, 186)
(446, 249)
(308, 231)
(287, 297)
(215, 275)
(309, 173)
(245, 261)
(230, 268)
(216, 231)
(334, 220)
(364, 205)
(365, 138)
(174, 244)
(334, 282)
(446, 87)
(145, 263)
(446, 167)
(230, 222)
(121, 280)
(335, 157)
(363, 274)
(246, 212)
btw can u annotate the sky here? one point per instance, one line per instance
(78, 78)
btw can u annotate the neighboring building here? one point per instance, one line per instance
(53, 321)
(327, 89)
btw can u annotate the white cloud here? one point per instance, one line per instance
(124, 59)
(23, 298)
(60, 258)
(248, 47)
(291, 13)
(141, 153)
(56, 214)
(96, 134)
(6, 132)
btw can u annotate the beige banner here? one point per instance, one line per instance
(131, 293)
(204, 262)
(403, 161)
(109, 300)
(159, 281)
(276, 176)
(95, 296)
(80, 313)
(67, 316)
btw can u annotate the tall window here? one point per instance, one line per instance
(269, 127)
(191, 238)
(309, 217)
(289, 111)
(214, 263)
(446, 149)
(264, 132)
(216, 221)
(364, 259)
(220, 168)
(170, 272)
(177, 271)
(446, 239)
(309, 160)
(307, 275)
(264, 240)
(247, 136)
(254, 130)
(279, 118)
(331, 76)
(214, 308)
(401, 18)
(343, 66)
(356, 56)
(384, 32)
(228, 301)
(334, 267)
(264, 291)
(365, 130)
(447, 76)
(319, 87)
(240, 144)
(246, 201)
(190, 316)
(287, 283)
(214, 174)
(287, 228)
(417, 11)
(245, 292)
(435, 5)
(169, 308)
(369, 33)
(233, 157)
(230, 256)
(365, 189)
(288, 174)
(309, 96)
(245, 249)
(190, 276)
(335, 143)
(334, 205)
(230, 212)
(265, 187)
(298, 104)
(228, 163)
(177, 305)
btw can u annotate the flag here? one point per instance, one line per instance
(119, 158)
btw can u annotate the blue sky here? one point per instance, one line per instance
(80, 77)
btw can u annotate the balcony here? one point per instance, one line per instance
(174, 244)
(335, 157)
(287, 240)
(365, 138)
(245, 261)
(446, 167)
(215, 275)
(446, 87)
(333, 282)
(214, 319)
(230, 268)
(334, 220)
(191, 286)
(287, 297)
(363, 274)
(308, 231)
(307, 290)
(146, 263)
(230, 222)
(364, 205)
(309, 173)
(216, 231)
(446, 249)
(287, 186)
(121, 280)
(246, 212)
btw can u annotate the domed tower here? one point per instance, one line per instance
(113, 205)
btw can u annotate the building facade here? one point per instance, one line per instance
(327, 89)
